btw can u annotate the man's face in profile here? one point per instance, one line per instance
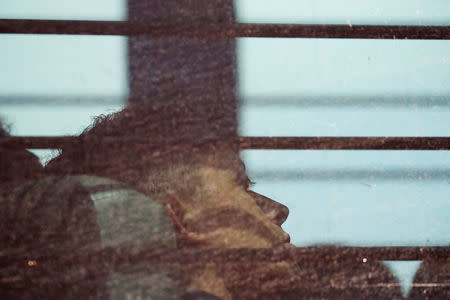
(216, 208)
(216, 204)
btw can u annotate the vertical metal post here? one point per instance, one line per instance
(200, 71)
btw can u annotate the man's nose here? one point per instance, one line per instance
(276, 212)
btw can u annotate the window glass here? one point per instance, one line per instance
(338, 87)
(64, 10)
(63, 66)
(383, 12)
(56, 85)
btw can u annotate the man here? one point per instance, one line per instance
(176, 143)
(201, 180)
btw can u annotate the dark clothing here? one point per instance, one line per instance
(432, 281)
(43, 221)
(201, 71)
(18, 166)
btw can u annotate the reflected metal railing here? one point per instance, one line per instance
(223, 30)
(141, 254)
(272, 143)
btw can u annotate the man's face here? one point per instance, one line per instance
(230, 208)
(218, 207)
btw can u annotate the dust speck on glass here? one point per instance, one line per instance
(156, 200)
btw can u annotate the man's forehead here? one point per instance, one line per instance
(229, 161)
(238, 168)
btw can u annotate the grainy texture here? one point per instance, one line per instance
(48, 218)
(432, 280)
(301, 255)
(280, 143)
(355, 143)
(200, 71)
(42, 221)
(182, 116)
(17, 165)
(225, 30)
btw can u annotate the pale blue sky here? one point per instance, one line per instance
(365, 210)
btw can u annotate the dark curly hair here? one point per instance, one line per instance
(127, 144)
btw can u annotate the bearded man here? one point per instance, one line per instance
(174, 157)
(201, 181)
(176, 143)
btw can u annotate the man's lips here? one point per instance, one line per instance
(287, 239)
(285, 242)
(285, 246)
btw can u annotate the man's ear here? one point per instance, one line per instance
(276, 211)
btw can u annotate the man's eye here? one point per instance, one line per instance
(251, 183)
(246, 183)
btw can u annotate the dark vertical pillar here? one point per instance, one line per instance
(200, 71)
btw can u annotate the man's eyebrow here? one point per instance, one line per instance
(245, 181)
(242, 177)
(250, 182)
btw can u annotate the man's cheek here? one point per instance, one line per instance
(226, 237)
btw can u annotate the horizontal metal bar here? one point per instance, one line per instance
(305, 255)
(225, 30)
(275, 143)
(346, 143)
